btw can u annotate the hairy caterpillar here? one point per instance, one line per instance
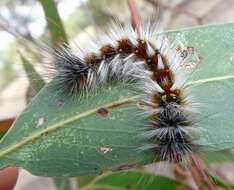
(155, 65)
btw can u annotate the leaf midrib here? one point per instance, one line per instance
(92, 111)
(212, 79)
(62, 123)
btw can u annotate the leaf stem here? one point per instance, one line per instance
(202, 173)
(193, 174)
(180, 171)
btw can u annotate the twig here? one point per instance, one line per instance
(135, 16)
(176, 10)
(180, 171)
(193, 174)
(202, 173)
(211, 8)
(17, 37)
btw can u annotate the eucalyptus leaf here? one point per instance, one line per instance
(62, 183)
(71, 132)
(84, 180)
(218, 182)
(35, 80)
(135, 180)
(218, 156)
(54, 22)
(59, 135)
(2, 133)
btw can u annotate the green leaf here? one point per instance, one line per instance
(35, 80)
(62, 183)
(54, 22)
(212, 84)
(219, 156)
(135, 180)
(84, 180)
(62, 136)
(2, 133)
(218, 182)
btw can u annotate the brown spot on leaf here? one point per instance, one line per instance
(103, 112)
(200, 57)
(125, 166)
(60, 103)
(105, 149)
(129, 187)
(44, 133)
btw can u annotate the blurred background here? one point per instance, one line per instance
(25, 19)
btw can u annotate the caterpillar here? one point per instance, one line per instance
(154, 64)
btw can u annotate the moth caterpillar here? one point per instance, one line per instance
(154, 64)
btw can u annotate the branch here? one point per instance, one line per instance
(202, 173)
(176, 10)
(180, 171)
(135, 16)
(193, 174)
